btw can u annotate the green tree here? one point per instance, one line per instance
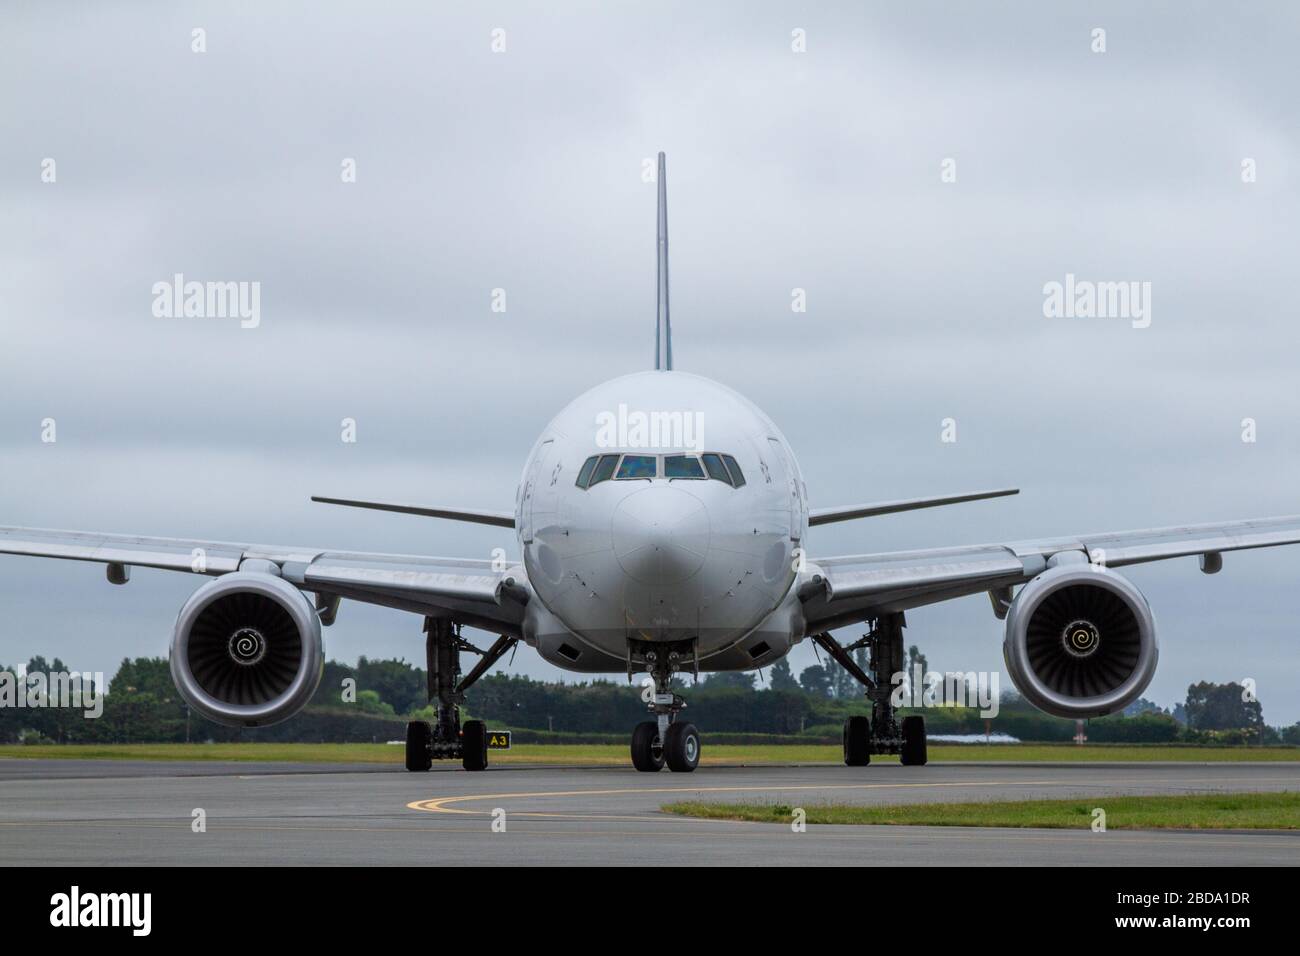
(369, 702)
(815, 681)
(782, 677)
(398, 684)
(330, 691)
(1143, 706)
(741, 680)
(144, 675)
(1213, 706)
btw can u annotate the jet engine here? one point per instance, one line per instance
(247, 650)
(1080, 642)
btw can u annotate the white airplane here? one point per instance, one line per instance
(662, 520)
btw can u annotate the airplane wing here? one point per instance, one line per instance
(501, 519)
(478, 593)
(839, 591)
(848, 512)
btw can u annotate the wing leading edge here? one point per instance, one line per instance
(501, 519)
(839, 591)
(848, 512)
(476, 592)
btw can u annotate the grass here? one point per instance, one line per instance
(1220, 811)
(617, 754)
(573, 754)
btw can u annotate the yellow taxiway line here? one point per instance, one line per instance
(441, 804)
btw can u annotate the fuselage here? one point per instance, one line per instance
(662, 507)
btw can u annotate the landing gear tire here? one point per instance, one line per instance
(418, 735)
(913, 753)
(682, 750)
(473, 742)
(647, 751)
(857, 741)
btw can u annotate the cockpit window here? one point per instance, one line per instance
(714, 466)
(737, 476)
(709, 465)
(638, 466)
(604, 470)
(682, 466)
(588, 466)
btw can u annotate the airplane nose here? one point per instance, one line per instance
(661, 535)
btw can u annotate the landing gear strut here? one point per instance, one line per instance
(447, 738)
(664, 740)
(882, 733)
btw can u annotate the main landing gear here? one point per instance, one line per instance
(882, 732)
(448, 738)
(664, 740)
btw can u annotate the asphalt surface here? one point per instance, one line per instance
(75, 812)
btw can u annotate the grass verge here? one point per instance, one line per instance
(1218, 811)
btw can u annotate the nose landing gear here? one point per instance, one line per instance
(678, 747)
(664, 740)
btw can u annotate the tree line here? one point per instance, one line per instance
(373, 699)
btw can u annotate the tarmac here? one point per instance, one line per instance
(106, 812)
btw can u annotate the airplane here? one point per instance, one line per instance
(662, 521)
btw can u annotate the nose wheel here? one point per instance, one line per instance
(664, 740)
(679, 748)
(647, 750)
(682, 751)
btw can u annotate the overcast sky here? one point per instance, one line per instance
(522, 170)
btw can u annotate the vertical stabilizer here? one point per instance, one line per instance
(663, 328)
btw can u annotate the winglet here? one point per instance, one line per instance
(663, 328)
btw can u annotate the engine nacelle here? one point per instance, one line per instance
(1081, 641)
(247, 650)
